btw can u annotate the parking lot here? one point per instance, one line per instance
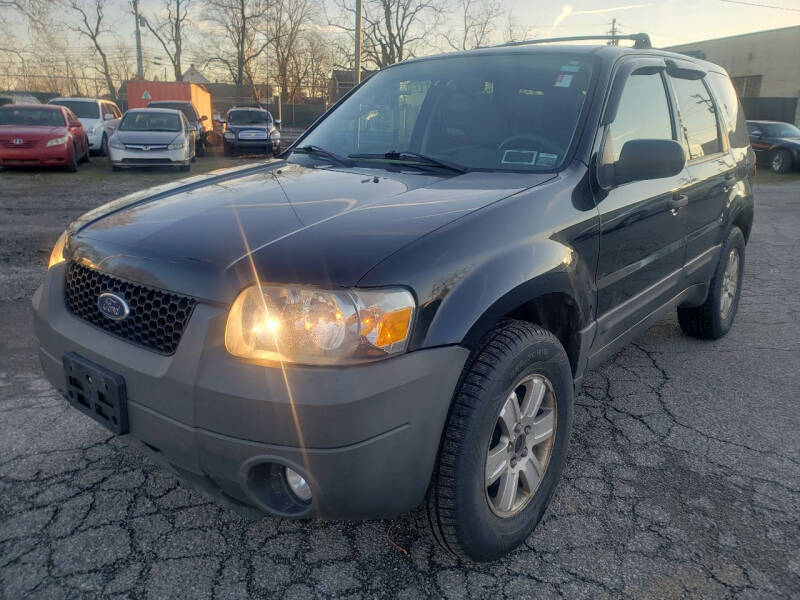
(683, 478)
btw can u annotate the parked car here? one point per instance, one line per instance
(249, 129)
(396, 313)
(776, 144)
(152, 137)
(41, 135)
(99, 117)
(196, 122)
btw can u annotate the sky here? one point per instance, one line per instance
(669, 22)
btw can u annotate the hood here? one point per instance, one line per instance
(31, 132)
(147, 137)
(209, 236)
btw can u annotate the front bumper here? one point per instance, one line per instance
(152, 158)
(53, 156)
(245, 145)
(365, 437)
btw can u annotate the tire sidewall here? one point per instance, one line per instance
(488, 535)
(735, 239)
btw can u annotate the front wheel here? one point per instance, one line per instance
(781, 161)
(713, 319)
(504, 444)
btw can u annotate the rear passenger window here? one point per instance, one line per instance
(731, 108)
(643, 113)
(698, 115)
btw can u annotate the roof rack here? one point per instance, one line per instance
(640, 40)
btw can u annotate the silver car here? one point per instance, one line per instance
(100, 119)
(152, 137)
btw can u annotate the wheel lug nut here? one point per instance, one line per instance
(524, 452)
(527, 429)
(513, 462)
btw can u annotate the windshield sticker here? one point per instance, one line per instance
(546, 160)
(571, 68)
(519, 157)
(563, 80)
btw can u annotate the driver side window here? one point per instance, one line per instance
(643, 113)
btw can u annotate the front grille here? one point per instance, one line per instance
(156, 321)
(26, 145)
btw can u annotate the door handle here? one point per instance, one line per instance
(677, 202)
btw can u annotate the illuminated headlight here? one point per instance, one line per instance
(306, 325)
(274, 135)
(115, 143)
(58, 141)
(229, 135)
(57, 254)
(177, 145)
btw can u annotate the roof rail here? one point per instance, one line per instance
(640, 40)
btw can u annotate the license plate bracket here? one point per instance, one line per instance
(97, 392)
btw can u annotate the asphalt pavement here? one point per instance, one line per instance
(683, 478)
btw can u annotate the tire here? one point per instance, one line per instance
(200, 148)
(226, 149)
(781, 161)
(713, 319)
(72, 166)
(114, 167)
(461, 511)
(185, 168)
(85, 158)
(103, 146)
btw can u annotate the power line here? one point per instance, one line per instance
(760, 5)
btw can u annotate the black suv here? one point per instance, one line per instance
(395, 314)
(776, 144)
(251, 130)
(196, 122)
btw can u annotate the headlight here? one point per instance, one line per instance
(307, 325)
(57, 254)
(274, 134)
(115, 143)
(229, 135)
(58, 141)
(177, 145)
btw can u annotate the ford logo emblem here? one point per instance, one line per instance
(112, 306)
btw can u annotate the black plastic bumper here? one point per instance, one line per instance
(365, 437)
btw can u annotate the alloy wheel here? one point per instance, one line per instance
(730, 282)
(777, 162)
(521, 444)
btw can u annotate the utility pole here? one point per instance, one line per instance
(139, 68)
(614, 41)
(357, 57)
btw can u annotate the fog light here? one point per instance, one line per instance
(298, 485)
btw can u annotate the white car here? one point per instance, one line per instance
(99, 118)
(152, 137)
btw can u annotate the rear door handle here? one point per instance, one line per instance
(677, 202)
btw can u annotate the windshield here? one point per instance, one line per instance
(249, 117)
(780, 130)
(83, 110)
(498, 112)
(186, 109)
(150, 121)
(32, 117)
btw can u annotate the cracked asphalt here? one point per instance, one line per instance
(683, 478)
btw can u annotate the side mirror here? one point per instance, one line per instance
(277, 122)
(204, 118)
(73, 124)
(648, 159)
(108, 117)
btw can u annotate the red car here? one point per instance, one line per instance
(41, 135)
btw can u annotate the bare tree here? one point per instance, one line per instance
(288, 19)
(244, 24)
(516, 31)
(169, 31)
(476, 23)
(393, 30)
(90, 25)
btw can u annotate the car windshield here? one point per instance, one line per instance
(186, 109)
(780, 130)
(249, 117)
(506, 112)
(150, 121)
(82, 109)
(32, 117)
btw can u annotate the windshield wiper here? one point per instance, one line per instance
(413, 158)
(311, 149)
